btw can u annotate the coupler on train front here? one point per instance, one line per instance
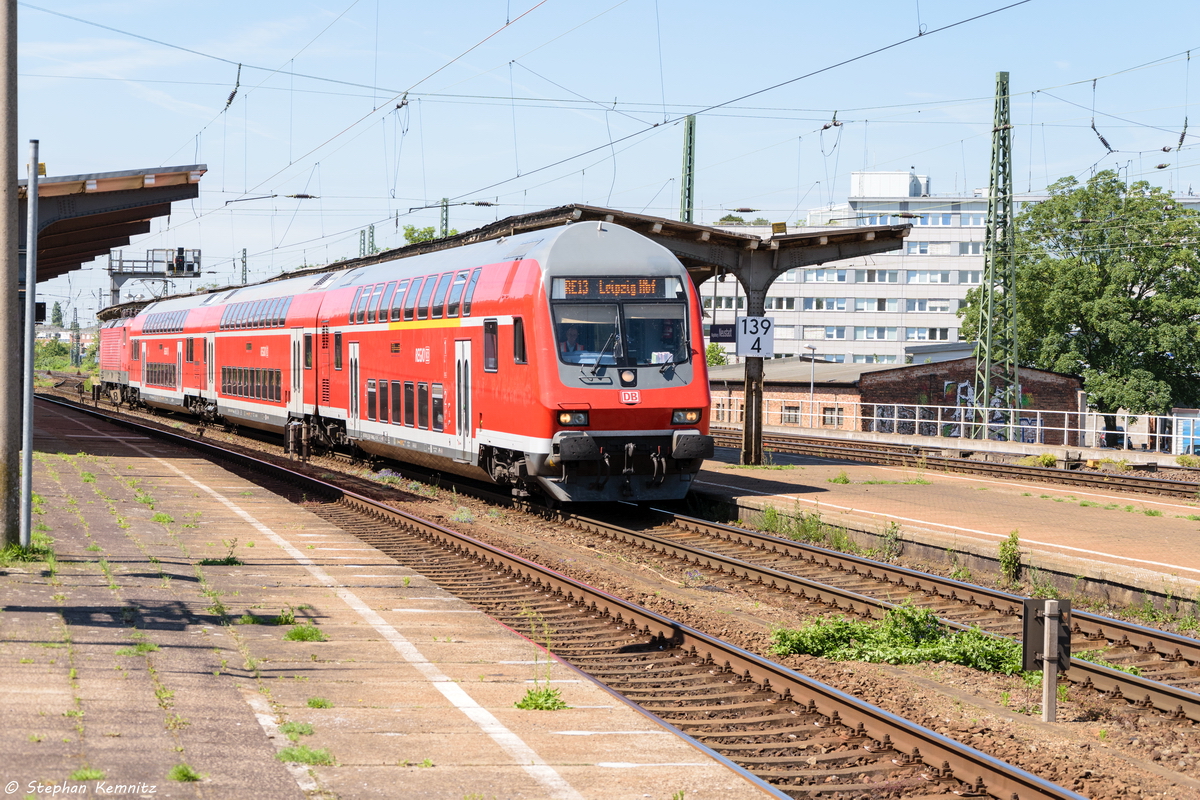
(590, 467)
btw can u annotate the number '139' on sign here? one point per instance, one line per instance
(755, 337)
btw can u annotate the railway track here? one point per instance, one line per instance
(799, 735)
(912, 457)
(1169, 662)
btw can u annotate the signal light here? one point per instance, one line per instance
(572, 418)
(685, 416)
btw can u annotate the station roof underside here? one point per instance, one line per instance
(704, 250)
(81, 217)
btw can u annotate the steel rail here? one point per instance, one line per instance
(911, 457)
(945, 758)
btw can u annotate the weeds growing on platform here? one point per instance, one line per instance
(540, 697)
(302, 754)
(230, 560)
(184, 774)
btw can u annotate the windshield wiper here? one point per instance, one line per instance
(687, 348)
(612, 339)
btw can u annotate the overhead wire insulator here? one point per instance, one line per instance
(236, 84)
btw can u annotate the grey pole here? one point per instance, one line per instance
(10, 270)
(31, 201)
(1050, 664)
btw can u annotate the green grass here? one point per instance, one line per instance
(184, 774)
(87, 774)
(906, 635)
(306, 633)
(542, 698)
(294, 730)
(162, 518)
(841, 478)
(1043, 460)
(139, 649)
(319, 702)
(302, 754)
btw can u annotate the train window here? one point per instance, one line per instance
(395, 402)
(136, 353)
(268, 320)
(256, 313)
(278, 385)
(360, 311)
(654, 333)
(426, 293)
(249, 346)
(490, 336)
(587, 334)
(371, 398)
(308, 345)
(380, 308)
(353, 305)
(423, 405)
(519, 355)
(337, 350)
(282, 319)
(256, 383)
(460, 282)
(224, 381)
(243, 314)
(383, 401)
(376, 296)
(410, 302)
(466, 306)
(191, 350)
(397, 300)
(439, 298)
(408, 403)
(438, 408)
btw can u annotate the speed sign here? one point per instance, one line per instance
(755, 337)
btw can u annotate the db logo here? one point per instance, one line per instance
(422, 355)
(631, 398)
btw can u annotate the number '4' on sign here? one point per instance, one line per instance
(755, 337)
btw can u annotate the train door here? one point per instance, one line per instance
(210, 359)
(353, 413)
(296, 393)
(464, 430)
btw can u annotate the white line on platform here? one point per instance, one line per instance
(266, 718)
(822, 504)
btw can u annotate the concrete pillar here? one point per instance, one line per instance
(10, 268)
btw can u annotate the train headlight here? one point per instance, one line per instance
(628, 377)
(572, 418)
(685, 416)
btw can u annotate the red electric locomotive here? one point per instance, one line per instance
(564, 361)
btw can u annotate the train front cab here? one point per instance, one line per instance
(631, 421)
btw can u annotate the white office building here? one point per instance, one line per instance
(867, 310)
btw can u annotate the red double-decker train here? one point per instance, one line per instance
(566, 362)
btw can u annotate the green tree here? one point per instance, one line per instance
(413, 234)
(714, 354)
(56, 314)
(1108, 288)
(731, 219)
(760, 221)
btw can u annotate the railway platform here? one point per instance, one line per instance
(1120, 547)
(193, 625)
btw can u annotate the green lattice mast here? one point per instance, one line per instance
(688, 181)
(996, 349)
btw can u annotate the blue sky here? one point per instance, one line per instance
(561, 105)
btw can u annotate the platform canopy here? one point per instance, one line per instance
(81, 217)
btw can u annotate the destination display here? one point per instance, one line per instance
(613, 288)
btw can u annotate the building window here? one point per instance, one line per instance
(928, 276)
(970, 248)
(491, 361)
(824, 332)
(916, 248)
(880, 219)
(927, 334)
(874, 359)
(876, 304)
(831, 417)
(788, 277)
(876, 276)
(875, 333)
(785, 331)
(934, 305)
(833, 358)
(790, 415)
(825, 276)
(973, 220)
(970, 276)
(780, 304)
(824, 304)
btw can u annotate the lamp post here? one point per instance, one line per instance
(812, 374)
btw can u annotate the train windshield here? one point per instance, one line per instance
(621, 334)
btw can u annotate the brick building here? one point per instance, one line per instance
(919, 399)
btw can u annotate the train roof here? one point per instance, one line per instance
(581, 248)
